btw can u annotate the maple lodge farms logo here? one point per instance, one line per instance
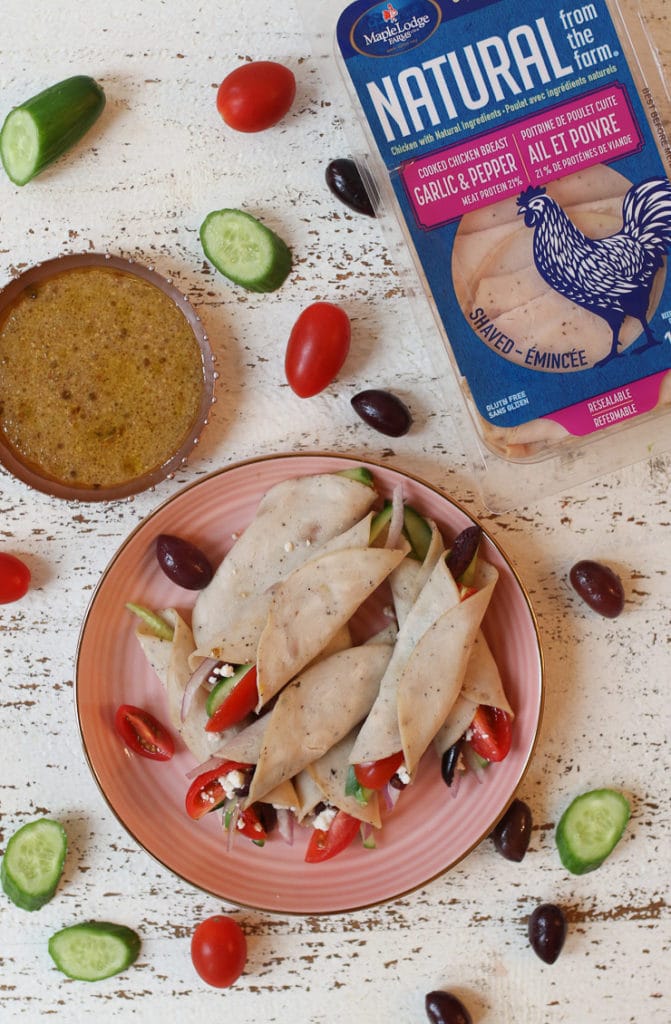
(387, 28)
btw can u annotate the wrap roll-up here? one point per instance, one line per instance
(312, 714)
(293, 521)
(427, 669)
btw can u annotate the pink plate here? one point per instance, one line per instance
(428, 832)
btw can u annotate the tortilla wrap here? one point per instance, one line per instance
(238, 645)
(310, 607)
(294, 519)
(170, 661)
(427, 668)
(314, 712)
(329, 773)
(455, 725)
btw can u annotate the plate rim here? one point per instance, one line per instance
(292, 456)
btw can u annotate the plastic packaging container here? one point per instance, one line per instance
(518, 159)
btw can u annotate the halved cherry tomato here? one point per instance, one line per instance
(219, 950)
(206, 792)
(236, 705)
(490, 733)
(143, 733)
(376, 774)
(256, 95)
(317, 348)
(14, 578)
(249, 824)
(325, 844)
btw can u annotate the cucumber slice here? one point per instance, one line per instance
(244, 250)
(156, 623)
(43, 128)
(95, 950)
(418, 532)
(221, 690)
(590, 828)
(380, 520)
(33, 863)
(358, 473)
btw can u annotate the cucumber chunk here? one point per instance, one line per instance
(380, 521)
(43, 128)
(221, 690)
(418, 532)
(33, 863)
(590, 828)
(244, 250)
(94, 950)
(156, 623)
(358, 473)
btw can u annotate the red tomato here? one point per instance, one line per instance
(326, 844)
(317, 348)
(237, 704)
(491, 733)
(219, 950)
(376, 774)
(14, 578)
(249, 824)
(256, 95)
(206, 792)
(143, 733)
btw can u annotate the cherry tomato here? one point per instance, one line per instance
(256, 95)
(325, 844)
(249, 824)
(491, 733)
(206, 792)
(317, 348)
(14, 578)
(376, 774)
(219, 950)
(143, 733)
(236, 705)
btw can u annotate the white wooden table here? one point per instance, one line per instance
(158, 161)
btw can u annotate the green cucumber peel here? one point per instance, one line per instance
(94, 950)
(158, 625)
(360, 474)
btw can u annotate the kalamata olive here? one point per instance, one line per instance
(183, 562)
(599, 587)
(512, 834)
(344, 180)
(547, 931)
(449, 761)
(444, 1008)
(383, 411)
(463, 550)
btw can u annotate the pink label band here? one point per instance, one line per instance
(576, 134)
(611, 407)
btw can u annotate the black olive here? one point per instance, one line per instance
(512, 834)
(547, 931)
(345, 182)
(463, 550)
(444, 1008)
(383, 411)
(267, 816)
(183, 562)
(449, 761)
(599, 587)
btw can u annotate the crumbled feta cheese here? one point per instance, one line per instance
(403, 774)
(232, 781)
(324, 819)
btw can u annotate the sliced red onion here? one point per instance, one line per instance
(285, 824)
(396, 521)
(390, 795)
(456, 780)
(194, 683)
(232, 825)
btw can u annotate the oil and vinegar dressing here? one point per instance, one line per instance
(100, 377)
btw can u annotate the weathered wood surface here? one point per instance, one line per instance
(158, 161)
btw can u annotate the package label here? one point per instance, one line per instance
(535, 196)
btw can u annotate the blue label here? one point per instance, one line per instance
(527, 173)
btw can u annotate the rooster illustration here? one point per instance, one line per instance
(611, 277)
